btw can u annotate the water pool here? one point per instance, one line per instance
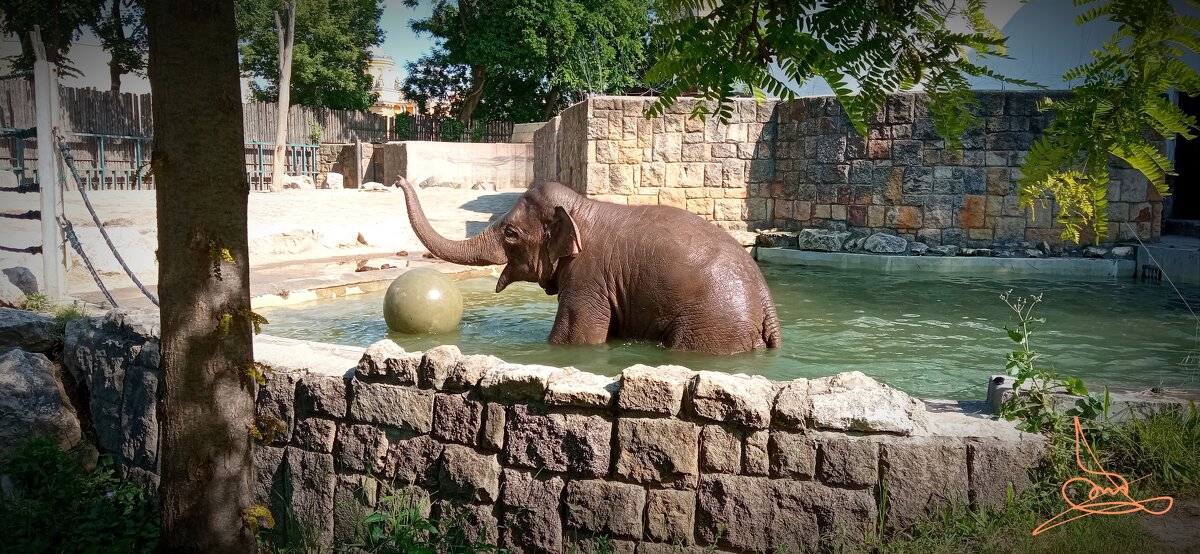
(931, 335)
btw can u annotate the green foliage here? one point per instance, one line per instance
(404, 126)
(65, 314)
(397, 526)
(57, 506)
(479, 131)
(1164, 446)
(331, 51)
(60, 23)
(36, 302)
(522, 60)
(1119, 105)
(122, 33)
(876, 46)
(452, 130)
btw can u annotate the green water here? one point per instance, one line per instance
(930, 335)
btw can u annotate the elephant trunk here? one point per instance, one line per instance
(483, 249)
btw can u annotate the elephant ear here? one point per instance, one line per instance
(564, 236)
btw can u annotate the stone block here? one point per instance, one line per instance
(412, 461)
(670, 516)
(756, 514)
(277, 399)
(656, 390)
(668, 147)
(387, 359)
(312, 485)
(477, 522)
(394, 406)
(658, 451)
(883, 243)
(791, 407)
(848, 462)
(516, 382)
(994, 466)
(457, 418)
(321, 395)
(582, 389)
(315, 434)
(793, 455)
(923, 475)
(573, 443)
(493, 427)
(720, 450)
(468, 371)
(436, 365)
(821, 240)
(531, 506)
(854, 402)
(360, 448)
(468, 475)
(757, 460)
(605, 507)
(739, 399)
(354, 499)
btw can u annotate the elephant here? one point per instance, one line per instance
(648, 273)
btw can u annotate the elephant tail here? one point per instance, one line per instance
(771, 333)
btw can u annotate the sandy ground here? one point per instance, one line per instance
(285, 228)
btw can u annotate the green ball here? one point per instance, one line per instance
(422, 300)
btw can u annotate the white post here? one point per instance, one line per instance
(358, 165)
(54, 273)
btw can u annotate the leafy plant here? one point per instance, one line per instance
(452, 130)
(404, 126)
(1117, 110)
(315, 132)
(479, 131)
(398, 525)
(65, 314)
(36, 302)
(876, 46)
(57, 506)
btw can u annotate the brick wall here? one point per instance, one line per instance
(800, 164)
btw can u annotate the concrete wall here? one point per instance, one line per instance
(800, 164)
(339, 158)
(543, 459)
(460, 164)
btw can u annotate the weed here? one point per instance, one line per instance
(36, 302)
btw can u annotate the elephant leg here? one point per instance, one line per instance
(580, 322)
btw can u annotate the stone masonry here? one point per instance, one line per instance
(543, 459)
(801, 165)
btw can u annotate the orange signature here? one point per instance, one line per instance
(1111, 500)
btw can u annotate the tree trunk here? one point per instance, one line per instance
(286, 42)
(478, 78)
(206, 405)
(114, 65)
(551, 100)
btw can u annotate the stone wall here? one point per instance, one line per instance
(460, 164)
(801, 165)
(542, 459)
(339, 158)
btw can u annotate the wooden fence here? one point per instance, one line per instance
(426, 127)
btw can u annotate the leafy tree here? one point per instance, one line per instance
(60, 22)
(875, 46)
(207, 408)
(122, 32)
(1119, 105)
(522, 60)
(333, 38)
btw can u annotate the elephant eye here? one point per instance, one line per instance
(510, 232)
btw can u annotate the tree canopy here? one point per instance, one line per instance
(333, 41)
(60, 21)
(523, 60)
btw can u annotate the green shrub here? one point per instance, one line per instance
(57, 506)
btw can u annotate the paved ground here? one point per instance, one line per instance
(316, 234)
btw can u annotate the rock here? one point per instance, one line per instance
(778, 239)
(353, 500)
(750, 513)
(1095, 252)
(854, 245)
(1123, 252)
(883, 243)
(374, 187)
(516, 382)
(738, 399)
(385, 358)
(431, 182)
(1034, 253)
(412, 461)
(531, 505)
(923, 476)
(469, 371)
(437, 364)
(793, 455)
(995, 466)
(312, 487)
(849, 462)
(944, 250)
(744, 238)
(22, 278)
(493, 427)
(321, 395)
(580, 388)
(1044, 248)
(332, 181)
(394, 406)
(33, 403)
(10, 295)
(821, 240)
(475, 521)
(29, 331)
(360, 448)
(277, 399)
(757, 460)
(656, 390)
(791, 405)
(315, 434)
(469, 476)
(298, 182)
(657, 450)
(980, 252)
(854, 402)
(483, 185)
(720, 450)
(605, 507)
(670, 515)
(573, 443)
(457, 418)
(918, 248)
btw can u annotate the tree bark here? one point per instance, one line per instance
(478, 78)
(206, 405)
(286, 43)
(551, 100)
(114, 65)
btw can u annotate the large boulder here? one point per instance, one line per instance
(883, 243)
(22, 278)
(854, 402)
(33, 403)
(26, 330)
(821, 240)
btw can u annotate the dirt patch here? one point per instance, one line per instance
(1178, 529)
